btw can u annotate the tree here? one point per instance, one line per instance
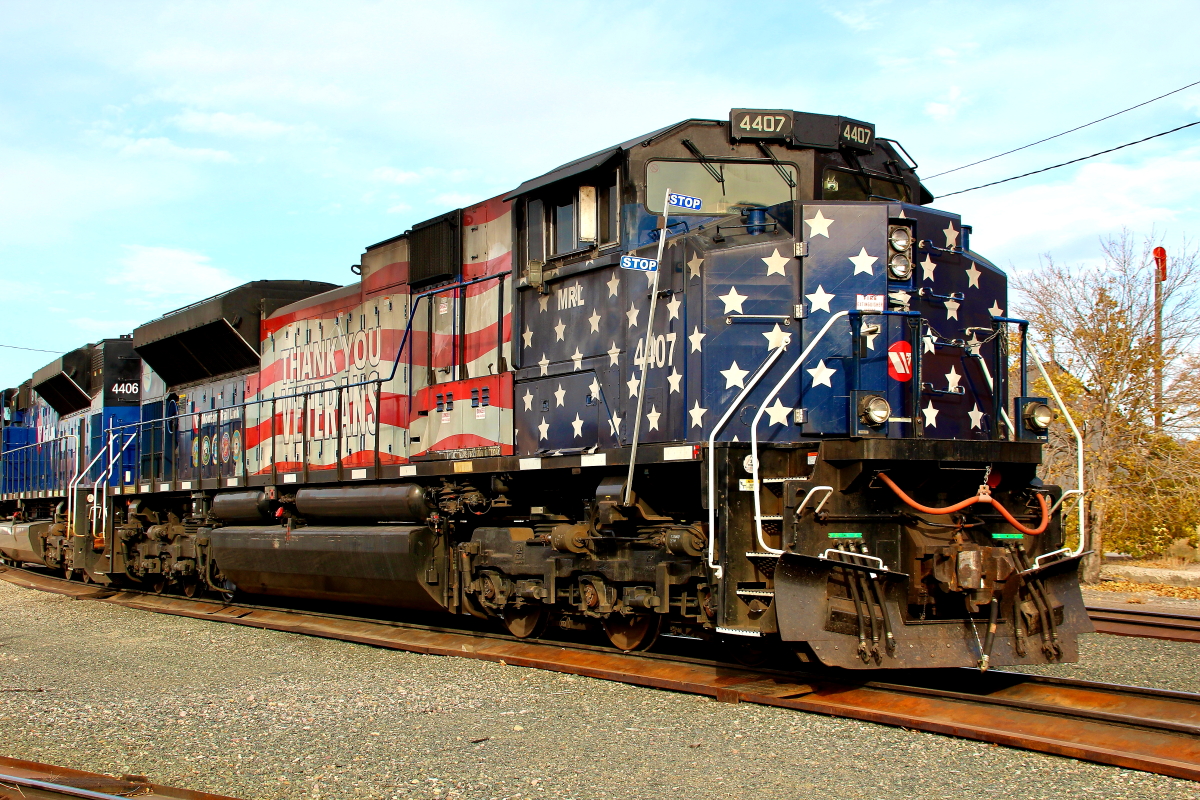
(1097, 325)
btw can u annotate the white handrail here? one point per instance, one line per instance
(99, 496)
(712, 462)
(1079, 488)
(758, 417)
(72, 489)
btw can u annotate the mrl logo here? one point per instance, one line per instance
(570, 296)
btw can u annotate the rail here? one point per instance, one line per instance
(39, 466)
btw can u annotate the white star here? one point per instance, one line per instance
(901, 299)
(930, 343)
(543, 429)
(650, 278)
(952, 309)
(973, 344)
(614, 425)
(560, 396)
(559, 330)
(951, 236)
(775, 263)
(862, 262)
(696, 338)
(673, 379)
(821, 374)
(818, 225)
(594, 387)
(527, 336)
(952, 379)
(927, 268)
(528, 398)
(577, 426)
(613, 285)
(973, 275)
(652, 418)
(996, 310)
(778, 413)
(930, 415)
(633, 384)
(976, 417)
(613, 355)
(902, 214)
(735, 376)
(594, 320)
(673, 308)
(694, 266)
(777, 337)
(697, 415)
(871, 333)
(820, 299)
(733, 301)
(544, 364)
(577, 357)
(632, 313)
(542, 301)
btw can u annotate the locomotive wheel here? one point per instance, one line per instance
(525, 621)
(159, 586)
(68, 573)
(87, 578)
(191, 588)
(633, 632)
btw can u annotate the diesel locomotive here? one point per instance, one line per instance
(733, 381)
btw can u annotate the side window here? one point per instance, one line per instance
(536, 243)
(610, 207)
(563, 221)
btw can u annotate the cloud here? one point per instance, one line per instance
(455, 199)
(944, 112)
(393, 175)
(861, 16)
(164, 273)
(399, 208)
(241, 126)
(164, 148)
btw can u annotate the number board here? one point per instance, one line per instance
(684, 201)
(856, 135)
(639, 264)
(756, 123)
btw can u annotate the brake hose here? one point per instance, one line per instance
(982, 497)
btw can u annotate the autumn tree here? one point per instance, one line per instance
(1095, 325)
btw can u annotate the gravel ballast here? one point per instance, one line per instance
(264, 714)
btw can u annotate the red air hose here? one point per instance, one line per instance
(970, 501)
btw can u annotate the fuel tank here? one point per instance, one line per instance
(389, 565)
(22, 541)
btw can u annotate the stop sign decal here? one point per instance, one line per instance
(900, 361)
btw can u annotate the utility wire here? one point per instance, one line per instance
(1064, 133)
(1072, 161)
(31, 349)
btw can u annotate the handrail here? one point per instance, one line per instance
(787, 376)
(1079, 487)
(712, 461)
(72, 490)
(99, 495)
(61, 450)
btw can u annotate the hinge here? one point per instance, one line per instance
(800, 416)
(800, 311)
(801, 249)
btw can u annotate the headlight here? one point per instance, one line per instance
(874, 410)
(900, 266)
(1038, 416)
(901, 238)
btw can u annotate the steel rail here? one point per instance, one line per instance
(1129, 727)
(36, 780)
(1144, 623)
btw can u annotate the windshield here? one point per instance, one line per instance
(741, 185)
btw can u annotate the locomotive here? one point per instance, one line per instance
(732, 381)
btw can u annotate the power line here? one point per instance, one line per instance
(1072, 161)
(1064, 133)
(31, 349)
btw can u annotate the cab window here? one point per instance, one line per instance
(739, 185)
(842, 184)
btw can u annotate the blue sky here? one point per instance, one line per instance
(155, 153)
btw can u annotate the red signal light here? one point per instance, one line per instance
(1160, 260)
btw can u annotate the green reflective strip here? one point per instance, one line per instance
(1008, 536)
(845, 536)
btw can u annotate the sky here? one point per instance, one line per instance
(153, 154)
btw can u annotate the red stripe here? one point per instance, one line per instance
(487, 211)
(329, 308)
(385, 277)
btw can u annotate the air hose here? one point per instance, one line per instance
(984, 496)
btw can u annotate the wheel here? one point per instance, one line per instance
(633, 632)
(191, 588)
(68, 573)
(526, 621)
(86, 577)
(159, 586)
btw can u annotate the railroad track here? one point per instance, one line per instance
(1151, 624)
(35, 781)
(1146, 729)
